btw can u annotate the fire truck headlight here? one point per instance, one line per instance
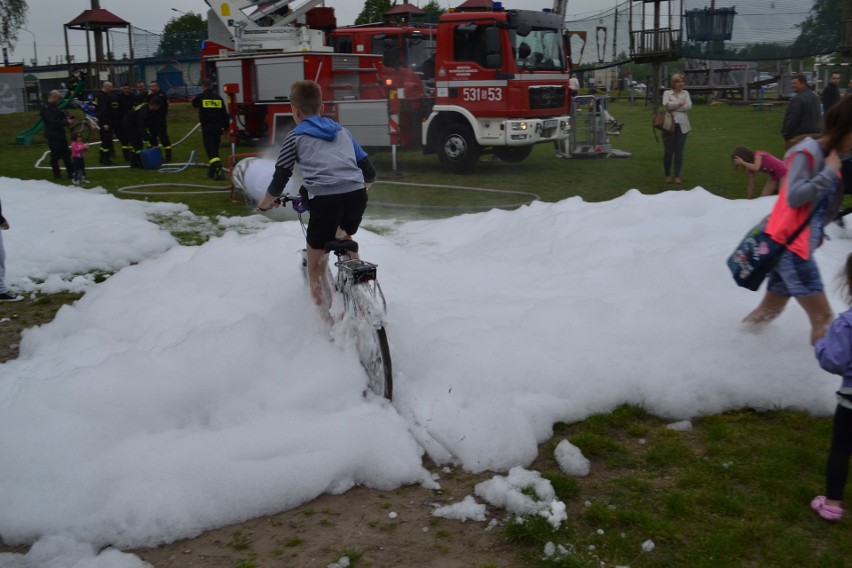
(519, 126)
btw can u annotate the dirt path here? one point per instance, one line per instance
(373, 528)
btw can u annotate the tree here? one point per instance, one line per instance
(13, 16)
(373, 11)
(820, 31)
(433, 10)
(182, 36)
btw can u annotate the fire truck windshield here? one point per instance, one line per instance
(415, 52)
(540, 50)
(421, 52)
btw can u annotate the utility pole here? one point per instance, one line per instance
(99, 48)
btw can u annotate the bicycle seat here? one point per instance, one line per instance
(340, 246)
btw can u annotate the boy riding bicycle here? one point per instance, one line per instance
(336, 173)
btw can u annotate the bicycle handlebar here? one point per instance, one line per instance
(286, 198)
(294, 200)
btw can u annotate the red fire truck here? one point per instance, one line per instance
(475, 81)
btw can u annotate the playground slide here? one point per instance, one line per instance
(26, 137)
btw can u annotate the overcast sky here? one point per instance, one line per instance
(46, 18)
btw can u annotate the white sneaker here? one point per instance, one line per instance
(85, 180)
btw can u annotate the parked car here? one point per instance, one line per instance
(764, 77)
(639, 88)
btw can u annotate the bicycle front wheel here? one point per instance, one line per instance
(374, 352)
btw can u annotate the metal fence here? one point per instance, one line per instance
(759, 30)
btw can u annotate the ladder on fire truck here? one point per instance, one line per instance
(263, 13)
(264, 25)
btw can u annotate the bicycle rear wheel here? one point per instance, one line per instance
(374, 352)
(83, 129)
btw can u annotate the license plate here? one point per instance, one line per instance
(548, 124)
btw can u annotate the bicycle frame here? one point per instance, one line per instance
(364, 306)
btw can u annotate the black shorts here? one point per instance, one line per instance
(328, 212)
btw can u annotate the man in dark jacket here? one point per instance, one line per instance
(141, 94)
(159, 121)
(137, 121)
(125, 103)
(831, 94)
(106, 106)
(214, 120)
(804, 111)
(55, 122)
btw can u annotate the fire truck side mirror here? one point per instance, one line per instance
(231, 88)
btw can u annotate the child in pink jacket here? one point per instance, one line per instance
(78, 162)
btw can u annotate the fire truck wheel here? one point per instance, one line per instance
(513, 153)
(458, 149)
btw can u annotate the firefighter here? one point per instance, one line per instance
(106, 111)
(125, 102)
(159, 120)
(214, 121)
(55, 122)
(137, 121)
(141, 94)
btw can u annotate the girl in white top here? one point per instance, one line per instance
(677, 101)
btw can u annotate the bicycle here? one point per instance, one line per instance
(364, 305)
(85, 126)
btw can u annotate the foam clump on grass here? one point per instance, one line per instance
(342, 563)
(571, 459)
(681, 426)
(555, 551)
(466, 509)
(523, 492)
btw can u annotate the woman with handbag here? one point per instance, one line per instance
(809, 195)
(677, 102)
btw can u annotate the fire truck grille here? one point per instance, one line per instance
(547, 96)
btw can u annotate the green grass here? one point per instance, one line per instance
(732, 492)
(717, 129)
(19, 162)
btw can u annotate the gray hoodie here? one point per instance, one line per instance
(330, 159)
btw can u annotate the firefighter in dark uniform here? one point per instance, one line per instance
(137, 122)
(55, 122)
(141, 94)
(106, 111)
(125, 103)
(159, 127)
(213, 117)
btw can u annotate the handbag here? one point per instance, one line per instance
(664, 120)
(757, 254)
